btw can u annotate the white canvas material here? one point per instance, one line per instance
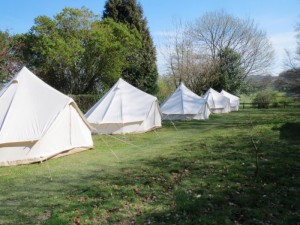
(124, 109)
(38, 122)
(217, 102)
(184, 104)
(234, 100)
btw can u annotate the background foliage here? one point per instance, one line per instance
(217, 50)
(141, 70)
(76, 52)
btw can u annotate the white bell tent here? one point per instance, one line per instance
(184, 104)
(234, 100)
(217, 102)
(124, 109)
(38, 122)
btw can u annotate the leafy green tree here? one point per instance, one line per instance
(4, 54)
(76, 52)
(165, 88)
(9, 64)
(230, 71)
(141, 70)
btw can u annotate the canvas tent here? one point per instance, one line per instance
(217, 102)
(124, 109)
(184, 104)
(234, 100)
(38, 122)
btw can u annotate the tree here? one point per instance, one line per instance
(141, 70)
(76, 52)
(166, 88)
(9, 64)
(4, 54)
(181, 56)
(218, 30)
(218, 50)
(230, 71)
(289, 80)
(292, 60)
(195, 70)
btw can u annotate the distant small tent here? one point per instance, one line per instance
(184, 104)
(217, 102)
(124, 109)
(38, 122)
(234, 100)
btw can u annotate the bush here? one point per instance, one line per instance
(264, 99)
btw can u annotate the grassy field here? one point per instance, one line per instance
(194, 172)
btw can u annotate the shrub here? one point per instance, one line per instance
(264, 99)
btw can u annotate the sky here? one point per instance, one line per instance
(277, 18)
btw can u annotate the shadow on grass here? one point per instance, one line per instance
(210, 182)
(220, 188)
(290, 132)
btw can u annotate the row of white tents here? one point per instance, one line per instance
(184, 104)
(38, 122)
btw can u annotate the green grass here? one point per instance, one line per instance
(196, 172)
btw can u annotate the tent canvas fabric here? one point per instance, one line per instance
(217, 102)
(184, 104)
(124, 109)
(234, 100)
(38, 122)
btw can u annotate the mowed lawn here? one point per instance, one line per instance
(191, 172)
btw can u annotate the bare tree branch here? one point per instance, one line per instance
(217, 30)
